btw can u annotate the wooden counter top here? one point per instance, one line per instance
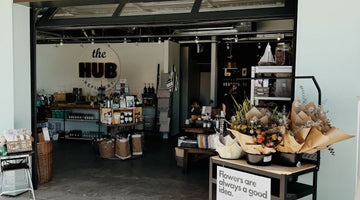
(73, 106)
(273, 168)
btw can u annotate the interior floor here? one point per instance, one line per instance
(79, 173)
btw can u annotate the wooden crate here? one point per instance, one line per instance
(60, 97)
(19, 146)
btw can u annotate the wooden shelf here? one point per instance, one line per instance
(75, 138)
(120, 125)
(82, 120)
(273, 168)
(73, 106)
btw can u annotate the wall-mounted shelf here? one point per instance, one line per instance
(273, 98)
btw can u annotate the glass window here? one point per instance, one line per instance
(156, 8)
(105, 10)
(221, 5)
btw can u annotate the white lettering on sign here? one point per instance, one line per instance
(235, 185)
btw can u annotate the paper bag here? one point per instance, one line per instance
(254, 112)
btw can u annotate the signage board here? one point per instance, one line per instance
(234, 185)
(99, 65)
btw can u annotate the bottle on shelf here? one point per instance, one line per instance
(145, 89)
(149, 89)
(152, 88)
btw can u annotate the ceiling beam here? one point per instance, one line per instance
(196, 6)
(119, 9)
(49, 13)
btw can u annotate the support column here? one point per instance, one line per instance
(214, 71)
(7, 66)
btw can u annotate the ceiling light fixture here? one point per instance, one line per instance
(197, 40)
(61, 42)
(278, 38)
(236, 38)
(92, 41)
(159, 40)
(125, 40)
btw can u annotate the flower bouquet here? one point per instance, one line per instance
(311, 130)
(258, 131)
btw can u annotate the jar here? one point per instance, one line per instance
(283, 54)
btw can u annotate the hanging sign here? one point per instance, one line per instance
(98, 66)
(234, 185)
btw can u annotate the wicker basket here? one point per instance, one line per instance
(45, 161)
(107, 148)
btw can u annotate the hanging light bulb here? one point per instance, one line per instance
(92, 41)
(236, 38)
(278, 38)
(125, 40)
(61, 42)
(227, 46)
(197, 40)
(259, 45)
(159, 40)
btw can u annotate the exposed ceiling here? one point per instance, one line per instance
(151, 20)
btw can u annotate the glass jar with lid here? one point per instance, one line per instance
(283, 54)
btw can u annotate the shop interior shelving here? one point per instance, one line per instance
(86, 125)
(257, 70)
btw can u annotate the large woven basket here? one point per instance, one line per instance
(107, 148)
(45, 161)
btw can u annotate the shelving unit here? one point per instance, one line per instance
(257, 70)
(90, 127)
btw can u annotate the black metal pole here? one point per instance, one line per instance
(33, 93)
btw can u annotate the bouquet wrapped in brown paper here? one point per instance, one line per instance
(249, 145)
(258, 128)
(289, 144)
(311, 129)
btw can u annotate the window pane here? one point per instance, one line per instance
(155, 8)
(105, 10)
(221, 5)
